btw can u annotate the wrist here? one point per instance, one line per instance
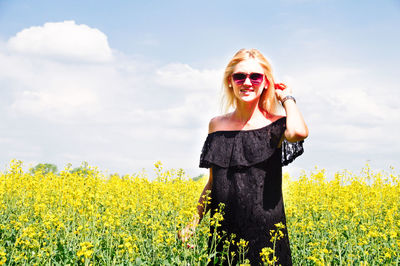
(288, 97)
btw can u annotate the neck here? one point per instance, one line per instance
(245, 112)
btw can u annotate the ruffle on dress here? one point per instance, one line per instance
(245, 148)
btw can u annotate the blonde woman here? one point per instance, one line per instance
(245, 151)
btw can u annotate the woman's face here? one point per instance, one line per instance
(250, 89)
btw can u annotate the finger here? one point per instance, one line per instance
(278, 94)
(182, 236)
(190, 246)
(280, 86)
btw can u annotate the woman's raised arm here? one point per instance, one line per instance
(296, 128)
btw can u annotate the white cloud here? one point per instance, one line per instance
(52, 89)
(54, 103)
(185, 77)
(64, 40)
(343, 95)
(124, 114)
(348, 115)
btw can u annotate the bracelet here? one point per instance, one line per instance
(287, 98)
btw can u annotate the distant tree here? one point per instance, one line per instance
(45, 168)
(198, 177)
(83, 169)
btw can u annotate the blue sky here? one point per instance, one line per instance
(126, 83)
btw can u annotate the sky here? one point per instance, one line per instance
(124, 84)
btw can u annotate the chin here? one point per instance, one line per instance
(249, 99)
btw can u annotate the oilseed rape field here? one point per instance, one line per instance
(89, 218)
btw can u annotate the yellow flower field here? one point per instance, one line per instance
(89, 218)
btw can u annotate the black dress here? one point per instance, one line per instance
(247, 179)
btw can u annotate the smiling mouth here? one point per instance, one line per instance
(246, 90)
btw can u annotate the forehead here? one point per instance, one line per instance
(248, 66)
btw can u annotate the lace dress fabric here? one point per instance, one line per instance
(247, 178)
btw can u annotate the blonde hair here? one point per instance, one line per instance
(268, 100)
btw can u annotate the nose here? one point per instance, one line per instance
(247, 81)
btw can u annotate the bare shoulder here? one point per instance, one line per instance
(277, 117)
(272, 117)
(218, 123)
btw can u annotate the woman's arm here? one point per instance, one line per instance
(202, 205)
(202, 208)
(296, 128)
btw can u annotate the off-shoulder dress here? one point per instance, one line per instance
(247, 178)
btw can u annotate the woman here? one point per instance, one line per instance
(245, 151)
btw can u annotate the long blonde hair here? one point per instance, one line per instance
(268, 100)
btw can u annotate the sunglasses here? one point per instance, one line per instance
(255, 78)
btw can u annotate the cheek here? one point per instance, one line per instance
(235, 90)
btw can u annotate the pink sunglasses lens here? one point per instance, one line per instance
(239, 78)
(256, 78)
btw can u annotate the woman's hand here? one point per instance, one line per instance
(281, 91)
(189, 230)
(186, 233)
(296, 128)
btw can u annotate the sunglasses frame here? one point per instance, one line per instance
(248, 75)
